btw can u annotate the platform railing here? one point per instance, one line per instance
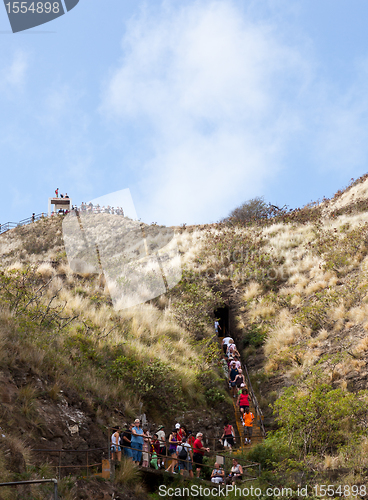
(255, 402)
(11, 225)
(35, 481)
(227, 457)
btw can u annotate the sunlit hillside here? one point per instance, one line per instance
(296, 286)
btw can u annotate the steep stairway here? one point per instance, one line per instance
(258, 432)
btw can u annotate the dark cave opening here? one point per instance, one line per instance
(223, 317)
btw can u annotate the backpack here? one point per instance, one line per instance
(183, 454)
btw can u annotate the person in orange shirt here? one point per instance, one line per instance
(248, 418)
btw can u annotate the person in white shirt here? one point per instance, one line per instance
(217, 327)
(162, 438)
(225, 342)
(115, 448)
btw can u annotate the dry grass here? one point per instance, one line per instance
(46, 270)
(351, 195)
(338, 312)
(261, 311)
(253, 290)
(362, 347)
(284, 334)
(127, 473)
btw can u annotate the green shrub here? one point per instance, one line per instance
(270, 453)
(318, 418)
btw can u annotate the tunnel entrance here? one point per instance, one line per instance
(223, 317)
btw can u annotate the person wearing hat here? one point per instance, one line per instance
(182, 432)
(162, 438)
(137, 441)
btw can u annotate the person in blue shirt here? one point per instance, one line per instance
(137, 441)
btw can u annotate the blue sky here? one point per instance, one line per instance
(195, 106)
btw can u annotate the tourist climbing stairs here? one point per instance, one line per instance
(257, 436)
(258, 431)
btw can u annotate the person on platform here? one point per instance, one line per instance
(162, 438)
(198, 452)
(218, 474)
(125, 441)
(236, 472)
(115, 448)
(137, 441)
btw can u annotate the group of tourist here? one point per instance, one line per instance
(97, 209)
(61, 195)
(89, 207)
(239, 391)
(183, 450)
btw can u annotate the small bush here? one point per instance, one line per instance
(127, 472)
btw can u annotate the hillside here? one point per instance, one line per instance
(295, 287)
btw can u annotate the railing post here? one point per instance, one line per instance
(55, 490)
(59, 465)
(108, 443)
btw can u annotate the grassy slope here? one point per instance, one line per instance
(64, 346)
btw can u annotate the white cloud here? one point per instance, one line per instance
(14, 75)
(212, 89)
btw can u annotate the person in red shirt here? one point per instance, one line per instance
(243, 400)
(190, 438)
(182, 432)
(198, 452)
(155, 444)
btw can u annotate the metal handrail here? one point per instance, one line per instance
(35, 481)
(11, 225)
(58, 467)
(255, 403)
